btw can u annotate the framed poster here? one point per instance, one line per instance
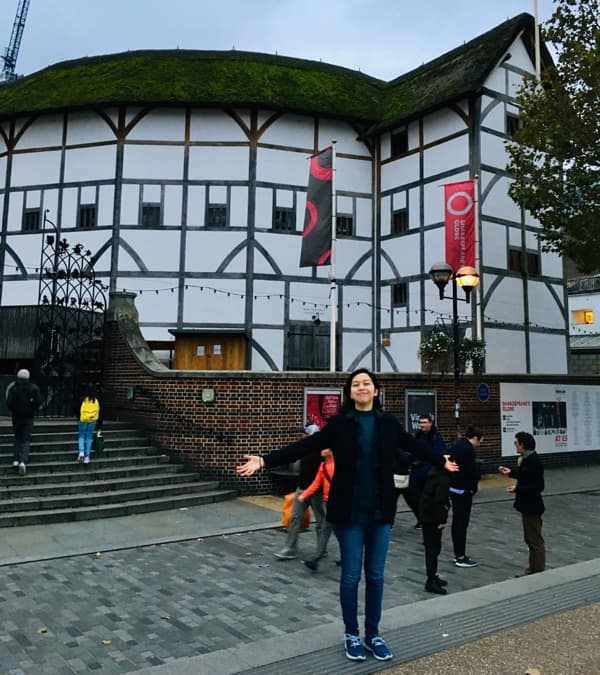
(417, 402)
(320, 405)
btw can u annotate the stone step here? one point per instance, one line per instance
(113, 510)
(99, 462)
(23, 489)
(70, 454)
(106, 498)
(66, 441)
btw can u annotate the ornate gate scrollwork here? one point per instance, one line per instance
(71, 308)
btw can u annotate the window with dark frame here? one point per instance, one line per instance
(344, 225)
(399, 294)
(216, 215)
(283, 219)
(513, 124)
(399, 141)
(400, 221)
(528, 263)
(87, 216)
(151, 215)
(31, 220)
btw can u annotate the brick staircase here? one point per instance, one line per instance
(129, 476)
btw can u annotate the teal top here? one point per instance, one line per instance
(366, 493)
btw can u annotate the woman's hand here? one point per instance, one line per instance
(300, 498)
(254, 463)
(511, 488)
(450, 466)
(504, 470)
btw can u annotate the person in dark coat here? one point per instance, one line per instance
(528, 498)
(428, 436)
(23, 399)
(362, 499)
(434, 505)
(463, 485)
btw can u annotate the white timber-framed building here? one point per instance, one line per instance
(185, 173)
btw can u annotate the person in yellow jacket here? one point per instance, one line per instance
(88, 416)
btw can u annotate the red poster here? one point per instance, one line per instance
(320, 405)
(459, 215)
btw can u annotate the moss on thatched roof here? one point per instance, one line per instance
(214, 78)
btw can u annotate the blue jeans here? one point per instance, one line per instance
(363, 534)
(86, 433)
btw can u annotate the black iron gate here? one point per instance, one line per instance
(71, 309)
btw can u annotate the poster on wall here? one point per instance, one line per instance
(561, 417)
(418, 402)
(320, 405)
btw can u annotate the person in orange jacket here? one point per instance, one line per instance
(322, 481)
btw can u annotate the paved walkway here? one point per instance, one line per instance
(199, 591)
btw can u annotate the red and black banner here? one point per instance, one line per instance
(459, 215)
(316, 238)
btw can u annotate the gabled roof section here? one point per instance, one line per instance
(182, 77)
(453, 75)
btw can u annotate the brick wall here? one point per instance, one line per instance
(253, 412)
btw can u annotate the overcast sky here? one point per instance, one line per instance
(383, 38)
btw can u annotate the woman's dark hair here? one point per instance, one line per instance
(348, 402)
(90, 392)
(526, 440)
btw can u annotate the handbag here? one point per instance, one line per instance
(98, 443)
(286, 516)
(400, 481)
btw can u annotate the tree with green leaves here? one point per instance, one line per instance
(555, 156)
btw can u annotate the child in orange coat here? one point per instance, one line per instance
(322, 481)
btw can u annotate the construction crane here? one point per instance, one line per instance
(12, 51)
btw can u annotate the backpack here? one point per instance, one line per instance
(22, 399)
(90, 410)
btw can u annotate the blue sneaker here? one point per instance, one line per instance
(378, 648)
(355, 650)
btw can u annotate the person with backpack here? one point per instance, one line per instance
(88, 416)
(23, 399)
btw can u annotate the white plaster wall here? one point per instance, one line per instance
(284, 250)
(446, 156)
(218, 163)
(158, 249)
(87, 127)
(553, 265)
(34, 168)
(172, 205)
(264, 208)
(2, 168)
(270, 302)
(160, 125)
(548, 353)
(403, 349)
(357, 306)
(158, 162)
(196, 205)
(494, 115)
(414, 208)
(514, 235)
(493, 151)
(440, 124)
(272, 342)
(69, 208)
(41, 133)
(106, 201)
(405, 252)
(505, 351)
(27, 248)
(344, 134)
(353, 175)
(15, 211)
(213, 125)
(386, 214)
(205, 251)
(238, 212)
(543, 308)
(87, 164)
(413, 316)
(18, 293)
(349, 252)
(353, 345)
(506, 301)
(434, 247)
(152, 307)
(278, 166)
(493, 240)
(433, 197)
(363, 226)
(291, 130)
(400, 172)
(306, 299)
(130, 205)
(496, 80)
(499, 203)
(207, 307)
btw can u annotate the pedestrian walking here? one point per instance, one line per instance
(364, 441)
(321, 483)
(528, 498)
(434, 505)
(309, 466)
(89, 412)
(23, 399)
(428, 436)
(463, 485)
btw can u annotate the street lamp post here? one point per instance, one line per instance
(467, 278)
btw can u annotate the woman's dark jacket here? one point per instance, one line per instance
(530, 485)
(467, 478)
(341, 434)
(434, 503)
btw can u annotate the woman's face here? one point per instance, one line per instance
(362, 391)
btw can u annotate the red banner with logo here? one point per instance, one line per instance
(459, 216)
